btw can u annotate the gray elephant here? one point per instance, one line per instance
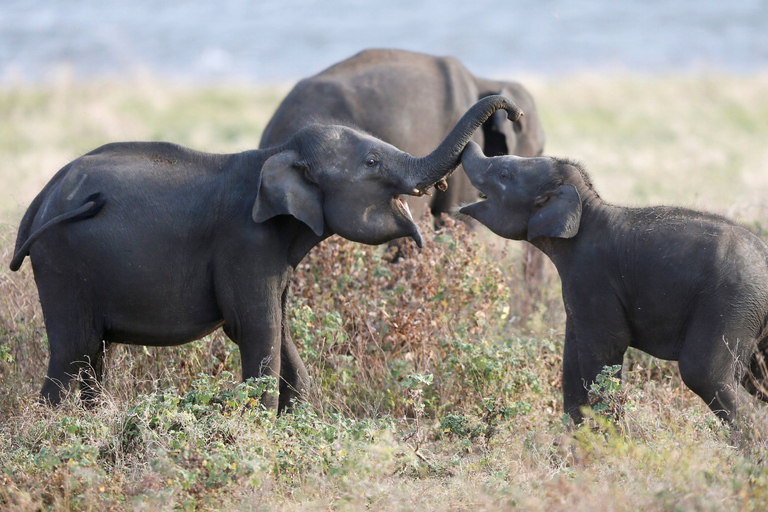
(155, 244)
(678, 284)
(411, 101)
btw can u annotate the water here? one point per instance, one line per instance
(282, 40)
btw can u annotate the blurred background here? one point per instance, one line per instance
(278, 41)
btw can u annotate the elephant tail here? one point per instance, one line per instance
(24, 239)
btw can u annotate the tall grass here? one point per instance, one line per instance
(435, 381)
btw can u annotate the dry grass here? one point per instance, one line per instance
(479, 315)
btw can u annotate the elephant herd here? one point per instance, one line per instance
(350, 151)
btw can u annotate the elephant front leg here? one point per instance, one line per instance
(258, 334)
(586, 352)
(294, 379)
(574, 389)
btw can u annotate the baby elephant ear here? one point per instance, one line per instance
(559, 215)
(283, 190)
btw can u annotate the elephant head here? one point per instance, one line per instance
(525, 198)
(523, 137)
(336, 179)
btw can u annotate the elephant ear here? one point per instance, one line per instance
(283, 190)
(559, 214)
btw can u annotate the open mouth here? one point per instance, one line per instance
(402, 206)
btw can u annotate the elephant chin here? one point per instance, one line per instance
(485, 212)
(377, 224)
(477, 211)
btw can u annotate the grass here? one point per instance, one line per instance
(435, 381)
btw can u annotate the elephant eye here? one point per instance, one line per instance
(371, 162)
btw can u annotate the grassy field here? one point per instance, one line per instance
(436, 381)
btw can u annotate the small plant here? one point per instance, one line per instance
(606, 395)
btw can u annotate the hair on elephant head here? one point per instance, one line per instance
(678, 284)
(150, 243)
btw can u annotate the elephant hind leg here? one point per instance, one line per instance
(755, 380)
(710, 369)
(76, 351)
(91, 375)
(56, 381)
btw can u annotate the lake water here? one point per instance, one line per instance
(282, 40)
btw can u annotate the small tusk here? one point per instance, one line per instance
(417, 192)
(427, 192)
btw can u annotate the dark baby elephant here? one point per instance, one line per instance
(678, 284)
(411, 101)
(155, 244)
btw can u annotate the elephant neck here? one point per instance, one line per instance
(301, 241)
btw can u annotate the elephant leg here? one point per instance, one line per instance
(755, 381)
(294, 379)
(711, 368)
(92, 375)
(574, 389)
(76, 349)
(256, 328)
(588, 349)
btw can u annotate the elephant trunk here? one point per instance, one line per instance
(429, 170)
(472, 156)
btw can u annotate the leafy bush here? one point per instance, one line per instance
(438, 311)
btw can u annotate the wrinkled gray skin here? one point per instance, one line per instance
(411, 101)
(678, 284)
(154, 244)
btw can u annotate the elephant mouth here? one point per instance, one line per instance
(401, 205)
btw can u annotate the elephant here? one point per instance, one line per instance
(410, 100)
(678, 284)
(151, 243)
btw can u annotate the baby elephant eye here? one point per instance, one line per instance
(371, 162)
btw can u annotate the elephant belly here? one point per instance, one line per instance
(657, 331)
(149, 334)
(171, 318)
(661, 345)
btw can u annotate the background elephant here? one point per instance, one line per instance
(155, 244)
(410, 100)
(678, 284)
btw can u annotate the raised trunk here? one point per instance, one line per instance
(430, 169)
